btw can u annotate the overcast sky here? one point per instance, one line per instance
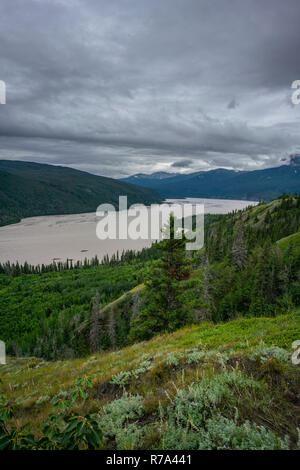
(117, 87)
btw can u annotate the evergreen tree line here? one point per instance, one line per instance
(126, 257)
(256, 226)
(249, 275)
(264, 282)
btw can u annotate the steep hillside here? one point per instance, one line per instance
(32, 189)
(225, 381)
(250, 266)
(227, 184)
(247, 273)
(225, 386)
(290, 242)
(39, 313)
(276, 219)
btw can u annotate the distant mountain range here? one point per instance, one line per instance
(31, 189)
(225, 184)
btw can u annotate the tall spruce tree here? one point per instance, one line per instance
(163, 297)
(239, 248)
(263, 283)
(95, 323)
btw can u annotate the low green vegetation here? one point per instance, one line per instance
(38, 313)
(224, 386)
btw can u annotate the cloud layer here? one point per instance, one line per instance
(130, 86)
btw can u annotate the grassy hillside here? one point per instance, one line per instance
(208, 386)
(290, 241)
(32, 189)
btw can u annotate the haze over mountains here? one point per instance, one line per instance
(225, 184)
(31, 189)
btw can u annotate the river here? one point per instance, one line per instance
(43, 239)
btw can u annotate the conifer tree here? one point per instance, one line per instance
(260, 303)
(164, 310)
(96, 323)
(239, 248)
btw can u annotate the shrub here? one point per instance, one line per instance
(117, 413)
(195, 419)
(198, 403)
(223, 433)
(195, 357)
(264, 353)
(130, 437)
(174, 358)
(123, 378)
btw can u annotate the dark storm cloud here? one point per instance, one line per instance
(232, 104)
(135, 85)
(182, 164)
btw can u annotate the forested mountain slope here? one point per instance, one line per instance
(32, 189)
(254, 185)
(252, 270)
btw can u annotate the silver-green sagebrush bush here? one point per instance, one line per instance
(123, 378)
(195, 421)
(116, 422)
(264, 353)
(223, 433)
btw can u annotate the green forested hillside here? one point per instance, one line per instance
(252, 270)
(39, 313)
(32, 189)
(250, 267)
